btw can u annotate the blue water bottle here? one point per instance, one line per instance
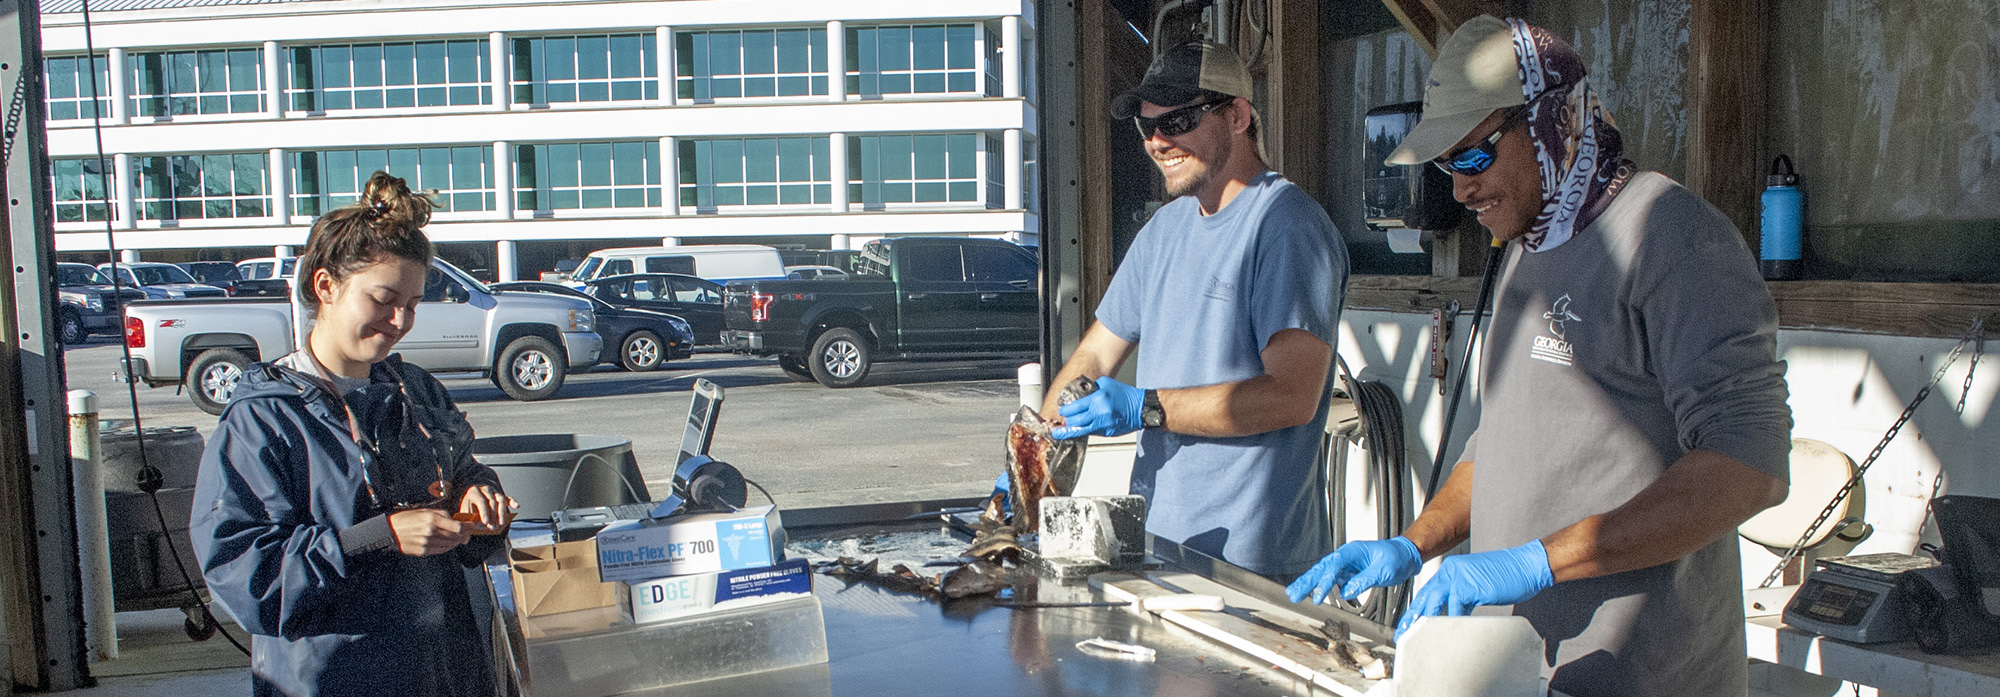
(1783, 222)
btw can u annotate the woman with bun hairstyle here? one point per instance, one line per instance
(339, 515)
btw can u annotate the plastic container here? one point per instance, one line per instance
(176, 452)
(590, 653)
(550, 472)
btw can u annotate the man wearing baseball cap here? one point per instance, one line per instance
(1230, 295)
(1632, 408)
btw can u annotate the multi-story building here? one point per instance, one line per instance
(545, 128)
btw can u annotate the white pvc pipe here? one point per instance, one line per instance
(1030, 378)
(93, 531)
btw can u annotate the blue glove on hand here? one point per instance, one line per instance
(1499, 577)
(1113, 410)
(1357, 567)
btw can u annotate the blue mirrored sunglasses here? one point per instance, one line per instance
(1475, 160)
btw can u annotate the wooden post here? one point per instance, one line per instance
(1725, 107)
(1294, 132)
(1093, 135)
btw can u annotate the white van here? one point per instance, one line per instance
(720, 263)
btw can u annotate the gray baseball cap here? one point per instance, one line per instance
(1180, 74)
(1475, 74)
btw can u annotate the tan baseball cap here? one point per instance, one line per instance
(1179, 74)
(1475, 73)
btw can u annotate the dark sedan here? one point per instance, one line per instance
(645, 339)
(696, 299)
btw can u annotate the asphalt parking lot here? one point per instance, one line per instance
(913, 431)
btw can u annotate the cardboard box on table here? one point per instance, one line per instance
(643, 550)
(561, 577)
(643, 602)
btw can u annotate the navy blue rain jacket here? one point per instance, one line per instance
(294, 547)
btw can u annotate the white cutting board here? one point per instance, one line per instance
(1470, 657)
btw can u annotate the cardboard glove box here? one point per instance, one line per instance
(561, 577)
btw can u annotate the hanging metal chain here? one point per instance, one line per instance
(1971, 336)
(15, 107)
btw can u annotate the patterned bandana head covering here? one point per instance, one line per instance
(1576, 144)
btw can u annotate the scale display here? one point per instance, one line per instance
(1853, 598)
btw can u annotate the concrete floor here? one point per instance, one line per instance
(156, 659)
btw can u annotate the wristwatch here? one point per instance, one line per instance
(1151, 415)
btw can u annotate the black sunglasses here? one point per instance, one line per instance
(1477, 158)
(1178, 121)
(399, 442)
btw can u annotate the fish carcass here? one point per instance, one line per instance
(1039, 465)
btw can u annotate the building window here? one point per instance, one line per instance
(196, 187)
(932, 59)
(377, 76)
(68, 83)
(996, 172)
(896, 169)
(565, 69)
(568, 176)
(457, 178)
(994, 82)
(754, 172)
(222, 81)
(715, 65)
(1031, 175)
(78, 186)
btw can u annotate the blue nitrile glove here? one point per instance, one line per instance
(1500, 577)
(1357, 567)
(1113, 410)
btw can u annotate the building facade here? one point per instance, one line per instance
(544, 129)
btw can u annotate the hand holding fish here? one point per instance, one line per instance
(1113, 410)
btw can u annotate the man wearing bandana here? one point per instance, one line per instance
(1632, 407)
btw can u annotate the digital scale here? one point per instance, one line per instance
(1854, 598)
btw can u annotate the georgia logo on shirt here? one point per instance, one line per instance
(1554, 346)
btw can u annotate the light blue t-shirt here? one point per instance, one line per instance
(1202, 296)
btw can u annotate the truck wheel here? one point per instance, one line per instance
(642, 351)
(212, 377)
(795, 368)
(840, 358)
(69, 328)
(529, 369)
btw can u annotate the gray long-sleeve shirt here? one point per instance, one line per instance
(1648, 335)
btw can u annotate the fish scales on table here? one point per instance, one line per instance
(1038, 464)
(969, 579)
(993, 539)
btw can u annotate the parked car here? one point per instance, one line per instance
(645, 339)
(88, 303)
(913, 298)
(220, 274)
(696, 300)
(268, 277)
(162, 281)
(720, 263)
(525, 342)
(809, 272)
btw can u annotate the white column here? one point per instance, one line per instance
(274, 85)
(114, 68)
(1010, 167)
(669, 68)
(281, 251)
(505, 266)
(839, 242)
(279, 171)
(670, 241)
(503, 180)
(670, 177)
(128, 256)
(121, 191)
(499, 78)
(836, 61)
(1010, 58)
(836, 168)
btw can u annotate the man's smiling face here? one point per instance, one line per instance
(1508, 195)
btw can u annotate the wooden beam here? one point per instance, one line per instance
(1094, 23)
(1419, 22)
(1725, 109)
(1295, 131)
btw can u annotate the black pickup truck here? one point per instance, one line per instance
(911, 298)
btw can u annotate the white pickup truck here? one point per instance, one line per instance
(525, 342)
